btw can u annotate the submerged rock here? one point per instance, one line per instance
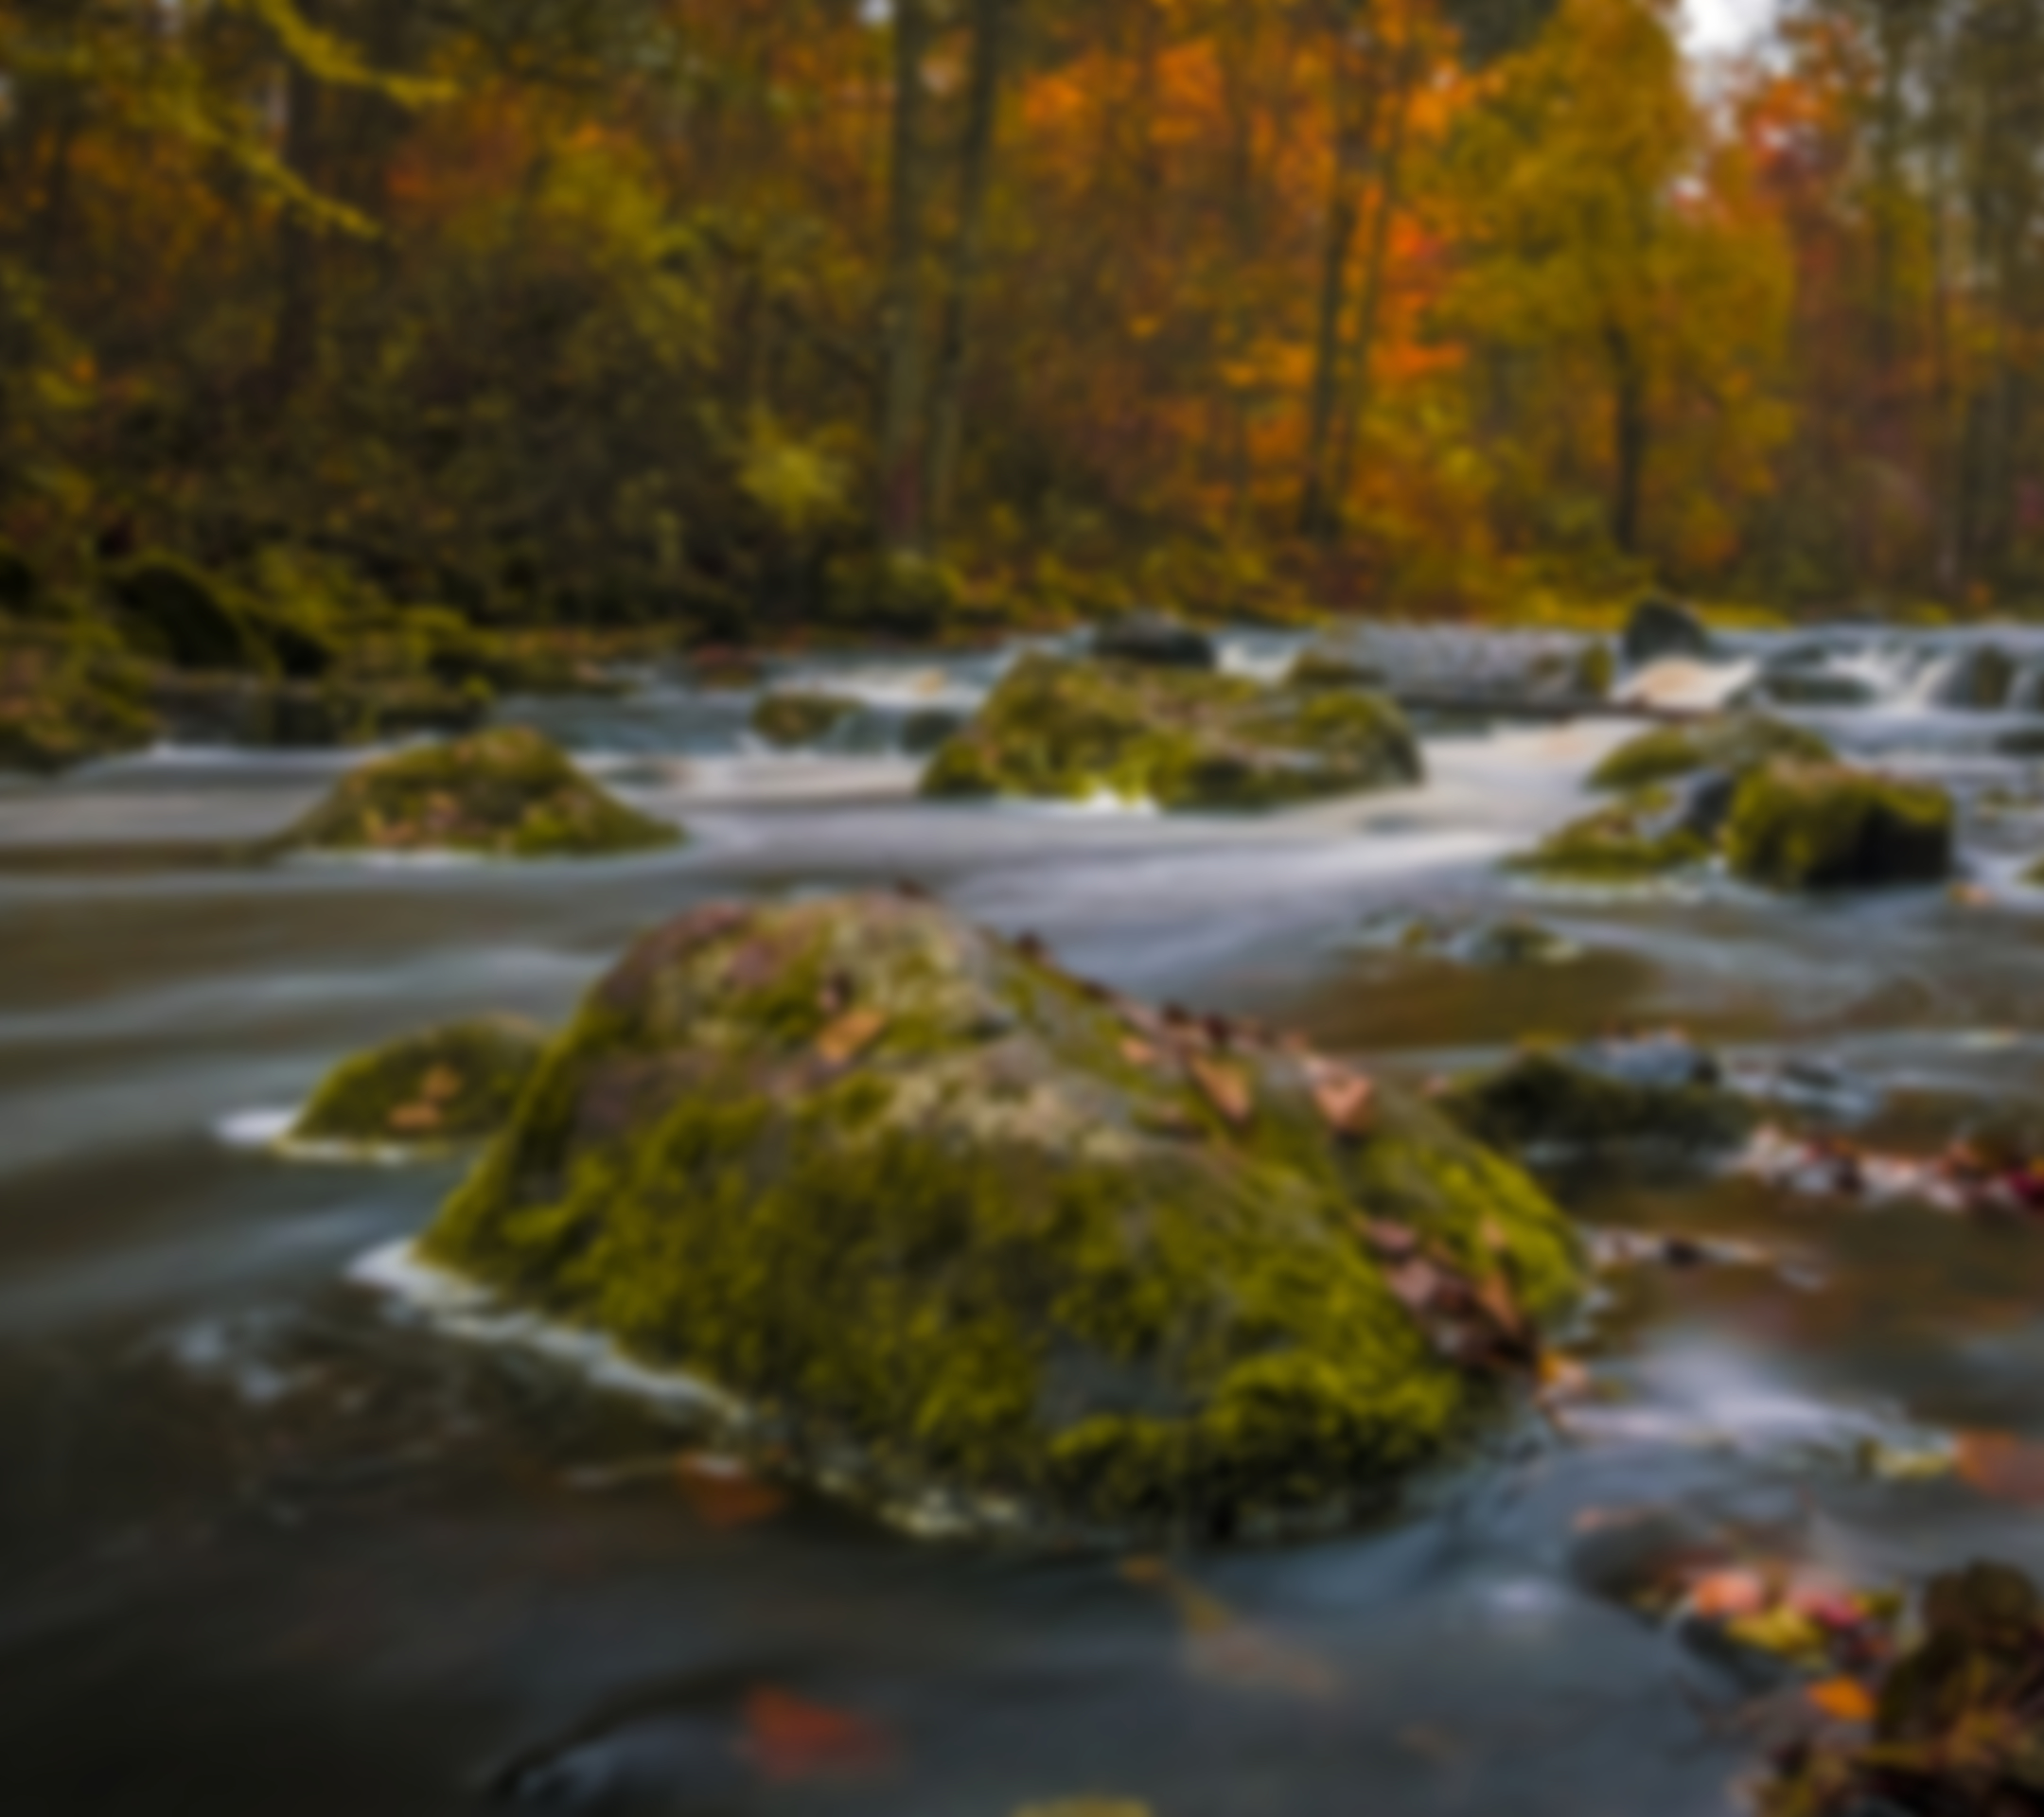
(1154, 641)
(1653, 1092)
(508, 793)
(1824, 826)
(66, 698)
(1648, 836)
(1729, 743)
(792, 719)
(1324, 668)
(1072, 731)
(1513, 942)
(451, 1083)
(1658, 629)
(984, 1244)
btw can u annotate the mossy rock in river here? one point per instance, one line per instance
(1824, 826)
(793, 719)
(1657, 1093)
(453, 1084)
(1643, 838)
(972, 1236)
(1318, 667)
(507, 793)
(1178, 738)
(67, 696)
(1731, 743)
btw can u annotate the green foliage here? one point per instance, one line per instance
(68, 695)
(453, 1084)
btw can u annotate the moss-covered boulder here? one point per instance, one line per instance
(508, 793)
(793, 719)
(1183, 740)
(1319, 667)
(67, 696)
(1731, 743)
(1645, 837)
(1657, 1093)
(1153, 640)
(1824, 826)
(447, 1085)
(971, 1236)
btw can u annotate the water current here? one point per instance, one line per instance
(271, 1543)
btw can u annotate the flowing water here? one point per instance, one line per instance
(270, 1541)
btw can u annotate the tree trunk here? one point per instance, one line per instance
(968, 253)
(294, 336)
(1354, 124)
(1630, 436)
(901, 326)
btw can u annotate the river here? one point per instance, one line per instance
(270, 1541)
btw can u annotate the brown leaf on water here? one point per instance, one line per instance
(1224, 1087)
(851, 1034)
(791, 1740)
(1222, 1649)
(2002, 1466)
(1345, 1099)
(723, 1493)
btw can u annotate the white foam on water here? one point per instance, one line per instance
(254, 1129)
(269, 1131)
(1684, 685)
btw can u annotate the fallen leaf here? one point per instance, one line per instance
(1729, 1595)
(440, 1085)
(1845, 1698)
(1786, 1632)
(853, 1033)
(723, 1493)
(2002, 1466)
(1224, 1087)
(1138, 1053)
(415, 1119)
(790, 1739)
(1222, 1649)
(1344, 1098)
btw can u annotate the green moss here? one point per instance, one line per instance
(1544, 1100)
(1596, 668)
(995, 1246)
(451, 1083)
(1818, 826)
(1630, 841)
(67, 696)
(1322, 668)
(791, 719)
(506, 793)
(1735, 743)
(1180, 738)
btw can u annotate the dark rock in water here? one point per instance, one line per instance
(1636, 840)
(2027, 741)
(1813, 687)
(182, 612)
(1979, 681)
(251, 710)
(1733, 742)
(1322, 668)
(1156, 642)
(988, 1249)
(1506, 943)
(453, 1084)
(67, 697)
(1659, 1092)
(1658, 629)
(1824, 826)
(507, 793)
(793, 719)
(927, 727)
(1706, 801)
(1074, 731)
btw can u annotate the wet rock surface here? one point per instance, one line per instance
(1660, 629)
(790, 720)
(447, 1085)
(1153, 640)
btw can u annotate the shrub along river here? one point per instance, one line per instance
(273, 1542)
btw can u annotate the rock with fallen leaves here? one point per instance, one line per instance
(1954, 1724)
(988, 1249)
(1659, 1093)
(506, 793)
(449, 1084)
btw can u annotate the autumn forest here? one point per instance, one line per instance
(803, 311)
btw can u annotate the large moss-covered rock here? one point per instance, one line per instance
(1320, 667)
(1658, 1092)
(793, 719)
(1731, 743)
(67, 697)
(447, 1085)
(508, 793)
(959, 1226)
(1824, 826)
(1647, 835)
(1071, 731)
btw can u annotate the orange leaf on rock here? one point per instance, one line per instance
(415, 1119)
(1726, 1595)
(1138, 1053)
(440, 1085)
(1344, 1098)
(2002, 1466)
(724, 1492)
(1845, 1698)
(790, 1739)
(850, 1035)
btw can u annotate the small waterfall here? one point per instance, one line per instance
(1680, 683)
